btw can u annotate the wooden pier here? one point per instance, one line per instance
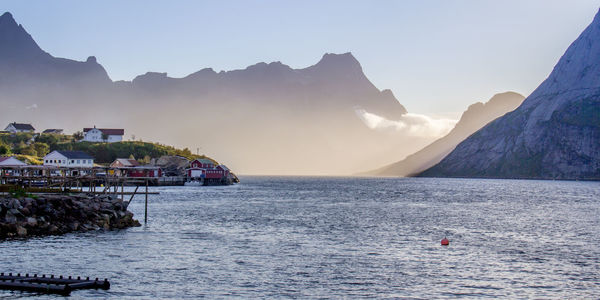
(96, 181)
(50, 284)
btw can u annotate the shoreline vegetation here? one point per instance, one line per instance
(32, 147)
(26, 215)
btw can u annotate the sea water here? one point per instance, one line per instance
(313, 237)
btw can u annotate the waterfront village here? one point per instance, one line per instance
(164, 170)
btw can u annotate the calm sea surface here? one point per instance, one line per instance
(309, 237)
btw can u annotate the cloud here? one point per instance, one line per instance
(410, 124)
(32, 106)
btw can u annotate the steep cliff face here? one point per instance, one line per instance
(554, 134)
(475, 117)
(24, 63)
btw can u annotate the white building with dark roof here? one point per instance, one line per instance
(74, 159)
(15, 127)
(106, 135)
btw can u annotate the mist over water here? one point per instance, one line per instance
(410, 124)
(306, 237)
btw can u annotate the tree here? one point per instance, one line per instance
(41, 149)
(78, 136)
(29, 150)
(4, 149)
(104, 137)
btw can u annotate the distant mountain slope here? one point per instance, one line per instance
(21, 59)
(554, 134)
(267, 118)
(475, 117)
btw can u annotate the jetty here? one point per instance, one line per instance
(50, 284)
(111, 181)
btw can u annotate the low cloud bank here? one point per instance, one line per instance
(410, 124)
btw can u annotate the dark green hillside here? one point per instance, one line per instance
(108, 152)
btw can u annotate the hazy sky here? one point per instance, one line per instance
(436, 56)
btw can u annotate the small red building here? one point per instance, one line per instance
(144, 171)
(199, 168)
(132, 168)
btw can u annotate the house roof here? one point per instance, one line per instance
(127, 162)
(223, 167)
(22, 126)
(109, 131)
(204, 161)
(52, 131)
(5, 158)
(75, 154)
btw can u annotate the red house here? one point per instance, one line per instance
(199, 168)
(144, 171)
(132, 168)
(224, 170)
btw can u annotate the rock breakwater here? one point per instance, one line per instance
(38, 215)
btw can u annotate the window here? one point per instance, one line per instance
(72, 161)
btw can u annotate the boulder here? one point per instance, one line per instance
(32, 222)
(21, 231)
(10, 218)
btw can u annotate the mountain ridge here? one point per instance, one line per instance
(277, 114)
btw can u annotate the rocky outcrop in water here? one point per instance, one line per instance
(554, 134)
(59, 214)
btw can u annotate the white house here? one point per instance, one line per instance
(103, 135)
(19, 127)
(10, 161)
(74, 159)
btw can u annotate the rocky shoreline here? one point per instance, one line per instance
(51, 214)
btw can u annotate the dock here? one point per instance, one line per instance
(96, 181)
(50, 284)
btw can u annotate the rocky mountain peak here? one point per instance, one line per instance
(345, 61)
(7, 19)
(577, 71)
(16, 42)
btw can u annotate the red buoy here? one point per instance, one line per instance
(445, 242)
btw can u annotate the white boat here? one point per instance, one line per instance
(193, 183)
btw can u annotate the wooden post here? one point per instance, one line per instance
(146, 203)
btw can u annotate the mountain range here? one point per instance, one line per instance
(554, 134)
(267, 118)
(473, 119)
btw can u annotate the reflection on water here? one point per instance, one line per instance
(339, 237)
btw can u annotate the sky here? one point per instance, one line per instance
(437, 57)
